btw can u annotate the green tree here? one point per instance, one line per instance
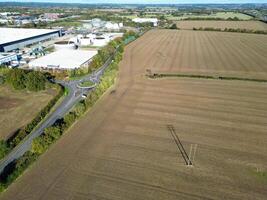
(173, 26)
(38, 146)
(69, 119)
(3, 148)
(35, 81)
(41, 143)
(16, 78)
(80, 108)
(52, 133)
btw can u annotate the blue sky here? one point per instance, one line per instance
(143, 1)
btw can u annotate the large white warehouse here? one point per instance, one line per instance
(64, 59)
(17, 38)
(145, 20)
(97, 40)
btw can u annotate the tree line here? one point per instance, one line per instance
(212, 19)
(234, 30)
(21, 79)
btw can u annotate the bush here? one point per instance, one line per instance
(50, 135)
(2, 80)
(79, 109)
(16, 78)
(4, 149)
(38, 146)
(20, 79)
(69, 119)
(15, 169)
(35, 81)
(173, 26)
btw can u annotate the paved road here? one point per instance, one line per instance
(74, 96)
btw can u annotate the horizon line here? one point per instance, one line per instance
(130, 3)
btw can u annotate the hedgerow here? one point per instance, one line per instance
(237, 30)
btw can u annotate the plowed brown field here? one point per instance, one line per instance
(251, 25)
(195, 52)
(123, 150)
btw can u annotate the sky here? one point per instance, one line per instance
(143, 1)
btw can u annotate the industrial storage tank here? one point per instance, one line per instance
(100, 41)
(65, 45)
(86, 40)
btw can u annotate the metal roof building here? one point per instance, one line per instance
(144, 20)
(64, 59)
(7, 58)
(17, 38)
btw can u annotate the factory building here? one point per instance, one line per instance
(7, 58)
(146, 20)
(96, 39)
(18, 38)
(64, 59)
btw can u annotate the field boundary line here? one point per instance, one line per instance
(152, 75)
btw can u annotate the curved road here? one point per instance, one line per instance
(74, 96)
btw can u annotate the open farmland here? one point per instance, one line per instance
(249, 25)
(17, 108)
(194, 52)
(122, 148)
(220, 15)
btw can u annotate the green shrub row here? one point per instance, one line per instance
(52, 133)
(157, 75)
(4, 148)
(238, 30)
(212, 19)
(17, 167)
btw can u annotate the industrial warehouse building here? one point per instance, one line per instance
(7, 58)
(17, 38)
(146, 20)
(64, 59)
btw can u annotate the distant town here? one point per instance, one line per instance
(28, 35)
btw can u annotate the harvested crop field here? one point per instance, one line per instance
(17, 108)
(194, 52)
(122, 149)
(249, 25)
(220, 15)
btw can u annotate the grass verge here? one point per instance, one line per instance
(86, 84)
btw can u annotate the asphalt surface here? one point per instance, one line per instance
(74, 95)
